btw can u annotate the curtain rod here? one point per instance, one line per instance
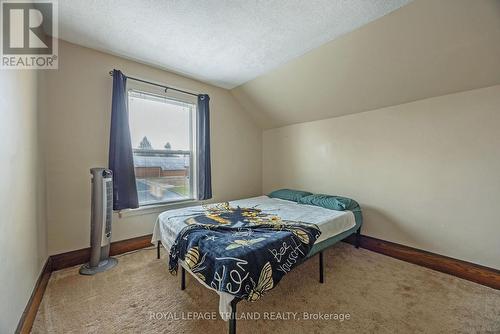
(158, 85)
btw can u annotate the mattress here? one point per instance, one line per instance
(330, 222)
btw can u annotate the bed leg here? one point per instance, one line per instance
(183, 278)
(321, 268)
(232, 319)
(158, 250)
(357, 241)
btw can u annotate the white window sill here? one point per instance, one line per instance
(157, 208)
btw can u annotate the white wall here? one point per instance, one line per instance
(23, 244)
(427, 173)
(77, 119)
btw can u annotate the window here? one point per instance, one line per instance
(161, 131)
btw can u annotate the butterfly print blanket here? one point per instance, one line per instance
(242, 251)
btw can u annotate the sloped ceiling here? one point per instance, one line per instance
(424, 49)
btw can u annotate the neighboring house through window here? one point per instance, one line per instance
(161, 131)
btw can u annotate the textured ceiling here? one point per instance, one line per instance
(222, 42)
(427, 48)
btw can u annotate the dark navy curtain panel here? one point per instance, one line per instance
(203, 149)
(121, 160)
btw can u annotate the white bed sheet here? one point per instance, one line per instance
(330, 223)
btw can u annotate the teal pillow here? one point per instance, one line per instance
(289, 194)
(338, 203)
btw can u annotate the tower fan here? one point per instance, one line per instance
(100, 223)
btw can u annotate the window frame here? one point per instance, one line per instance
(193, 167)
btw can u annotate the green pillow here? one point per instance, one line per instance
(289, 194)
(338, 203)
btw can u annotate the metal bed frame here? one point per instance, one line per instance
(317, 249)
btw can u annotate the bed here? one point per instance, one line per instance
(333, 226)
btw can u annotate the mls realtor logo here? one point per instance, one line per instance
(29, 34)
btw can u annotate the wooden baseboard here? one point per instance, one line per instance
(29, 314)
(462, 269)
(65, 260)
(81, 256)
(128, 245)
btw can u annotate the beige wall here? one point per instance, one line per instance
(23, 244)
(426, 173)
(77, 115)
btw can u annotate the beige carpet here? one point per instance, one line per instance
(380, 294)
